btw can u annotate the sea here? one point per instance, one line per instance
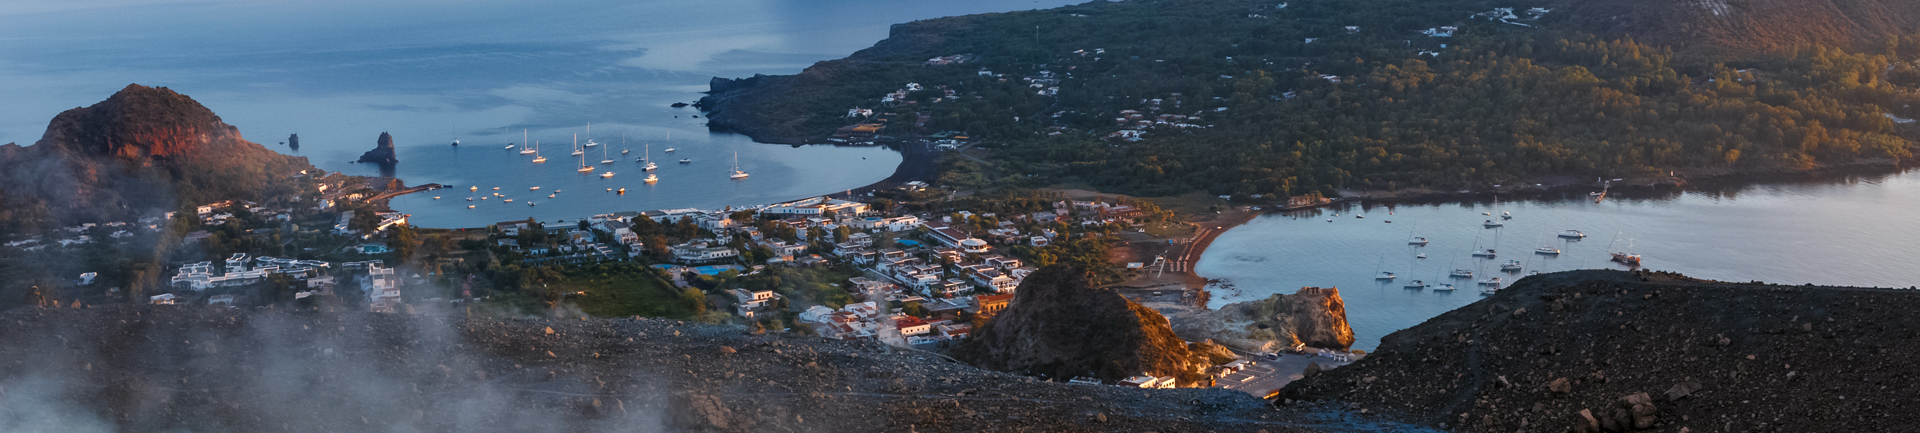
(1849, 231)
(339, 73)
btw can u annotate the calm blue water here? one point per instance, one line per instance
(341, 72)
(1858, 231)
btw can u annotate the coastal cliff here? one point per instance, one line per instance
(1593, 351)
(1061, 326)
(382, 152)
(142, 150)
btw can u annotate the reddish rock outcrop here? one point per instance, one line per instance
(1061, 326)
(1314, 316)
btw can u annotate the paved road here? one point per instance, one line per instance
(1266, 377)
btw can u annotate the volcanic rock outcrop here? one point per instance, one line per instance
(293, 141)
(141, 150)
(1625, 351)
(1061, 326)
(382, 152)
(1313, 316)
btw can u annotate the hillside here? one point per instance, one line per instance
(1239, 97)
(1060, 326)
(1708, 356)
(141, 151)
(136, 369)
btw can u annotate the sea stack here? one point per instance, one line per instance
(382, 152)
(293, 141)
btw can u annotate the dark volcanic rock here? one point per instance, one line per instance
(382, 152)
(1726, 357)
(1059, 325)
(293, 141)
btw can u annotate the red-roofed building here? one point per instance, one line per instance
(911, 326)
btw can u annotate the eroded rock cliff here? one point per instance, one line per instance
(382, 152)
(1059, 325)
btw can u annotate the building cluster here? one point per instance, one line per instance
(1134, 124)
(240, 270)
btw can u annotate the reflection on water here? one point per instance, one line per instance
(1854, 231)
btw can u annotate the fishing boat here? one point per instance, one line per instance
(1461, 273)
(652, 178)
(1573, 234)
(1551, 251)
(1416, 285)
(737, 174)
(1443, 288)
(1511, 266)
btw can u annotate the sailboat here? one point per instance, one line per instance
(669, 138)
(737, 174)
(603, 154)
(536, 154)
(1443, 288)
(1625, 258)
(623, 144)
(648, 157)
(583, 158)
(1416, 285)
(523, 139)
(590, 142)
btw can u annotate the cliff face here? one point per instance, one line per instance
(1635, 350)
(142, 149)
(1059, 325)
(1314, 316)
(382, 152)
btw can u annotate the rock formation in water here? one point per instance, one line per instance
(382, 152)
(1059, 325)
(1314, 316)
(293, 141)
(1616, 351)
(144, 149)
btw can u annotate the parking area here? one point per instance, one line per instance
(1266, 376)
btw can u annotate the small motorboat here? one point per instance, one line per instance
(651, 178)
(529, 204)
(509, 147)
(1492, 224)
(533, 188)
(1506, 215)
(591, 143)
(436, 197)
(1551, 251)
(669, 150)
(1420, 256)
(496, 188)
(606, 175)
(1572, 234)
(469, 198)
(469, 206)
(686, 160)
(621, 191)
(1360, 216)
(550, 195)
(508, 201)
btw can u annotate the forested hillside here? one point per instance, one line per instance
(1264, 97)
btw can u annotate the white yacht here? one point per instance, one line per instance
(1488, 253)
(590, 142)
(651, 178)
(523, 139)
(1416, 285)
(1492, 224)
(1418, 241)
(1511, 266)
(606, 175)
(1461, 273)
(1551, 251)
(1443, 288)
(737, 174)
(1573, 234)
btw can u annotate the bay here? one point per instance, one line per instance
(338, 73)
(1853, 231)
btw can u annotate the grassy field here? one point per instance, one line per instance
(625, 290)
